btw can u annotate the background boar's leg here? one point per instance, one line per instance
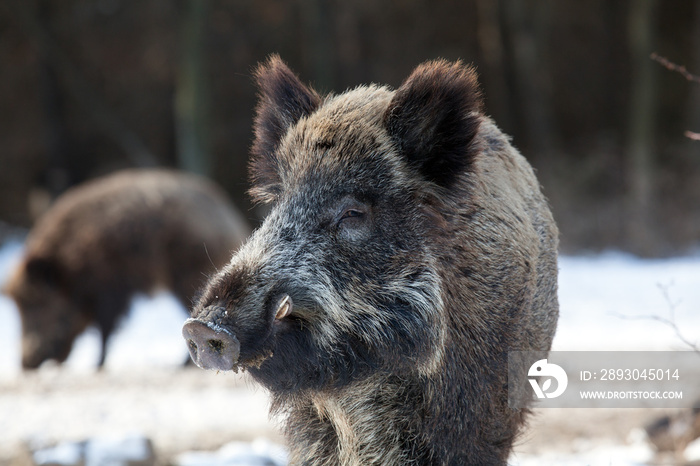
(110, 306)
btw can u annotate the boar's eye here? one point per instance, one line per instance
(351, 213)
(351, 216)
(351, 219)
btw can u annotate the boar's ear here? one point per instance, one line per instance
(283, 100)
(42, 270)
(434, 117)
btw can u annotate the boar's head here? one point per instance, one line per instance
(342, 279)
(50, 320)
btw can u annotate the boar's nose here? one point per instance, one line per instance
(211, 348)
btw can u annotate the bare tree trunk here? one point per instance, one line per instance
(527, 26)
(692, 125)
(640, 132)
(58, 176)
(692, 117)
(83, 92)
(191, 99)
(490, 38)
(316, 18)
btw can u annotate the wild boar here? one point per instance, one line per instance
(104, 241)
(408, 248)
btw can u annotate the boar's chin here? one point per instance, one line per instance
(36, 350)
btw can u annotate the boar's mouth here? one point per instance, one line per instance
(38, 348)
(211, 346)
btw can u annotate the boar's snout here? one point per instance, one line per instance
(210, 347)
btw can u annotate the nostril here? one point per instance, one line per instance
(216, 345)
(211, 347)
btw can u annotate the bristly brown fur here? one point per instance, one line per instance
(417, 248)
(434, 117)
(283, 100)
(105, 240)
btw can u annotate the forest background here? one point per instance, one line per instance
(91, 86)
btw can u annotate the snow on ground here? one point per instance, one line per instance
(606, 303)
(149, 336)
(10, 254)
(135, 345)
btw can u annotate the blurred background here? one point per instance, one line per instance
(88, 87)
(91, 86)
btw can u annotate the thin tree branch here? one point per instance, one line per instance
(669, 65)
(670, 321)
(692, 135)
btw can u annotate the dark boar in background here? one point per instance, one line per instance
(407, 250)
(106, 240)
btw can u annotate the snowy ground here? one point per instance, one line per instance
(606, 302)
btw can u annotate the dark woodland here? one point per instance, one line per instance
(89, 87)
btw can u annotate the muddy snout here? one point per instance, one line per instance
(211, 347)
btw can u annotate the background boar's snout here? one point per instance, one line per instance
(210, 348)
